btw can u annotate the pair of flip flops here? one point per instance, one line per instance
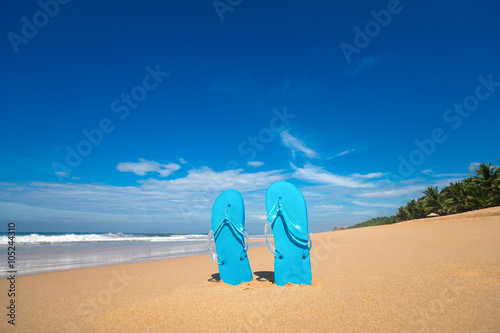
(287, 219)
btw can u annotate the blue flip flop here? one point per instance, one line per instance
(287, 217)
(230, 237)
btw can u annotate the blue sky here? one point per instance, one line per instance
(135, 116)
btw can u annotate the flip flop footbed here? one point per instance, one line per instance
(293, 264)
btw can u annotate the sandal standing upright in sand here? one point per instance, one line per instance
(287, 217)
(230, 237)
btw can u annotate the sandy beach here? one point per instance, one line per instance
(439, 275)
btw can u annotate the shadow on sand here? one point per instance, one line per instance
(265, 276)
(215, 278)
(262, 276)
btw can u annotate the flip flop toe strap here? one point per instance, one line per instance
(227, 219)
(269, 226)
(211, 248)
(280, 209)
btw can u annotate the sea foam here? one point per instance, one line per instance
(92, 238)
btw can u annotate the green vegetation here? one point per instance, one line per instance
(478, 191)
(376, 221)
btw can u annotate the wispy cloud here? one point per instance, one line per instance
(259, 217)
(255, 164)
(144, 166)
(164, 200)
(450, 175)
(296, 144)
(473, 166)
(328, 208)
(370, 213)
(427, 172)
(366, 63)
(372, 175)
(65, 174)
(281, 91)
(168, 201)
(375, 204)
(332, 199)
(318, 175)
(393, 193)
(347, 151)
(412, 188)
(207, 180)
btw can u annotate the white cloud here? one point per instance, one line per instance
(259, 217)
(370, 213)
(365, 63)
(328, 208)
(255, 164)
(318, 175)
(185, 202)
(296, 144)
(427, 172)
(342, 153)
(63, 174)
(186, 199)
(393, 193)
(376, 204)
(144, 166)
(473, 166)
(207, 180)
(51, 215)
(450, 175)
(407, 189)
(369, 175)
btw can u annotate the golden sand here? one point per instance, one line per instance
(438, 275)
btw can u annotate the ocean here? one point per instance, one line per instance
(48, 252)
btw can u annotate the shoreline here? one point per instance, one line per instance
(33, 259)
(440, 274)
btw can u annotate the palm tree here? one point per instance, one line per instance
(496, 189)
(475, 192)
(456, 200)
(434, 201)
(414, 209)
(402, 214)
(420, 209)
(478, 197)
(487, 175)
(496, 194)
(486, 192)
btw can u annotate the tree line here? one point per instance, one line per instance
(477, 191)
